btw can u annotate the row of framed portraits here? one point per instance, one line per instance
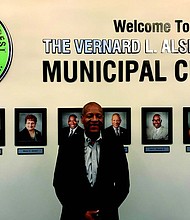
(153, 119)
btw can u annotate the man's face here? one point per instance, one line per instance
(72, 122)
(30, 125)
(92, 118)
(156, 121)
(116, 121)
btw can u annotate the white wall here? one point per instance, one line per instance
(159, 182)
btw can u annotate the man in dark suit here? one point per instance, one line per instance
(72, 129)
(115, 131)
(91, 177)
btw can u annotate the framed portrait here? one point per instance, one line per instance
(117, 124)
(157, 125)
(69, 120)
(186, 125)
(2, 127)
(30, 126)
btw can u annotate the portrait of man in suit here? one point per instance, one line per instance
(157, 131)
(73, 127)
(157, 125)
(115, 130)
(69, 123)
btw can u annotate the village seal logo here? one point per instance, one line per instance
(6, 50)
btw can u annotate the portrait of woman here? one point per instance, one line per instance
(30, 127)
(30, 133)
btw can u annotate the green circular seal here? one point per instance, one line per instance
(6, 50)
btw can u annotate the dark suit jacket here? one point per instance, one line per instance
(123, 138)
(73, 188)
(64, 134)
(24, 137)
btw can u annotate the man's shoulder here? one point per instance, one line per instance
(149, 129)
(110, 128)
(123, 129)
(107, 139)
(65, 128)
(79, 128)
(164, 129)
